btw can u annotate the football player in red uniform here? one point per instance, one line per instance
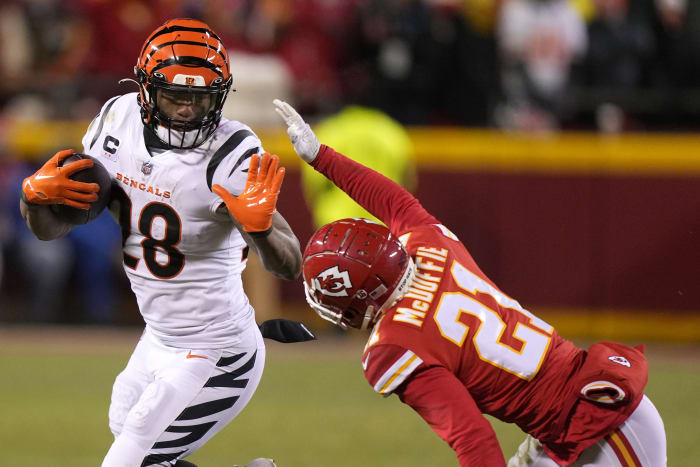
(453, 346)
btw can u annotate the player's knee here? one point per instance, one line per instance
(149, 400)
(646, 429)
(153, 411)
(125, 394)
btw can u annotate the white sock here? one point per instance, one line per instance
(124, 452)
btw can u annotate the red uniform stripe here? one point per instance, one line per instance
(622, 449)
(628, 445)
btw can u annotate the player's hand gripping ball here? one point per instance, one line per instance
(95, 174)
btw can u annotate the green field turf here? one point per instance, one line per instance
(313, 408)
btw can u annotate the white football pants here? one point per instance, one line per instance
(168, 402)
(639, 442)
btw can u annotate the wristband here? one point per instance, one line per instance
(261, 234)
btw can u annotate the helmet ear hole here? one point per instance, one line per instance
(354, 270)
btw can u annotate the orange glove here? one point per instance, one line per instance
(254, 207)
(51, 185)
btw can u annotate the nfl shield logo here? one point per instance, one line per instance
(146, 168)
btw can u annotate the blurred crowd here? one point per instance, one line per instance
(519, 65)
(610, 65)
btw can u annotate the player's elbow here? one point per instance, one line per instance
(296, 272)
(283, 263)
(290, 269)
(280, 253)
(290, 266)
(286, 275)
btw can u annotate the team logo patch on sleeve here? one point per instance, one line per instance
(604, 392)
(333, 282)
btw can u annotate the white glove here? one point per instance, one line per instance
(528, 452)
(303, 138)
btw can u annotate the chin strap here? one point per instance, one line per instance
(328, 314)
(152, 140)
(129, 80)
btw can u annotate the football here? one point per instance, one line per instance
(95, 174)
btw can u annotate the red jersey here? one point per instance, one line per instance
(456, 346)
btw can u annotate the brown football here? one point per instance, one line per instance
(95, 174)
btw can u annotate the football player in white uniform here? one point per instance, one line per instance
(192, 195)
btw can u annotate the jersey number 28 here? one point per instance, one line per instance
(151, 245)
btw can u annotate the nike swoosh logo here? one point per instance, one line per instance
(41, 177)
(191, 355)
(364, 362)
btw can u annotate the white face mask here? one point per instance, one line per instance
(180, 138)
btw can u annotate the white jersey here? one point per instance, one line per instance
(183, 259)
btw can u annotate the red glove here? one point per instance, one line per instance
(254, 207)
(51, 184)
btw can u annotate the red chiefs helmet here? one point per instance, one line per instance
(354, 270)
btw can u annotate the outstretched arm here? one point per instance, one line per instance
(381, 196)
(263, 228)
(446, 405)
(279, 251)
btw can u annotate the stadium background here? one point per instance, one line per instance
(583, 202)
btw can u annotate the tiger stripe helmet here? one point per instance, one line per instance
(183, 56)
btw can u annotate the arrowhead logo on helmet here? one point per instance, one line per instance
(333, 282)
(354, 270)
